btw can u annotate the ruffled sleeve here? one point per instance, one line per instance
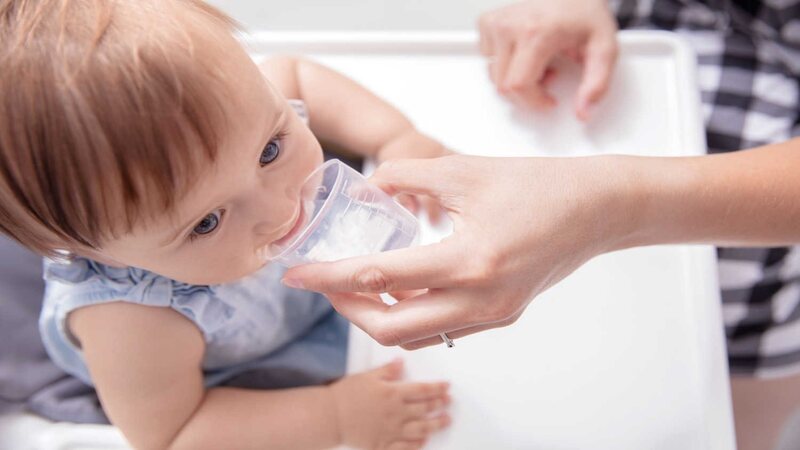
(82, 282)
(73, 284)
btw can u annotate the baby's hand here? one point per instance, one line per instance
(414, 144)
(377, 411)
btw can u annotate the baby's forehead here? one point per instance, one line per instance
(217, 181)
(131, 101)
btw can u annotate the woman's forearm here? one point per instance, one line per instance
(747, 198)
(302, 418)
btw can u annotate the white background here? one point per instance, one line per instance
(276, 15)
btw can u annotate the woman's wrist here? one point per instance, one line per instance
(695, 200)
(650, 200)
(734, 199)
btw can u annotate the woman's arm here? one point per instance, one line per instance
(523, 224)
(145, 363)
(746, 198)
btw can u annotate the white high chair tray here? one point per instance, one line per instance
(626, 353)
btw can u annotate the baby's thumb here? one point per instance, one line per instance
(392, 371)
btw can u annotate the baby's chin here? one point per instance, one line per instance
(206, 279)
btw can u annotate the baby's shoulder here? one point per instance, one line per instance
(78, 270)
(83, 281)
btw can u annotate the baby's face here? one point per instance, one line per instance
(246, 201)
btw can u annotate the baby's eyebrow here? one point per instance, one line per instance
(270, 128)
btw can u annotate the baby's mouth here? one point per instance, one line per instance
(296, 226)
(268, 251)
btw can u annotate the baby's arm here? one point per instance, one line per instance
(146, 365)
(346, 116)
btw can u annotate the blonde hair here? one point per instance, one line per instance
(107, 110)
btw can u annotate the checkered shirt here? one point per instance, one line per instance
(748, 55)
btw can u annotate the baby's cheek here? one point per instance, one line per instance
(221, 266)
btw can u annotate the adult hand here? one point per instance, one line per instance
(520, 225)
(522, 41)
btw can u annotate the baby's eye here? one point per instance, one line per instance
(270, 152)
(208, 224)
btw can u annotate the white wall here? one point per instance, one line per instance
(358, 14)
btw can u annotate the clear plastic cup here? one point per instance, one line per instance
(342, 216)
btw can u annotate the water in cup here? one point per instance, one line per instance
(343, 216)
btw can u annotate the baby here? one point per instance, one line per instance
(146, 155)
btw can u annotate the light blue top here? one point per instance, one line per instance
(255, 323)
(258, 332)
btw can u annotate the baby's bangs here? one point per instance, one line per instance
(106, 126)
(150, 131)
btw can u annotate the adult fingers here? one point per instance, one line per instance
(408, 202)
(526, 71)
(599, 60)
(453, 335)
(407, 321)
(486, 41)
(428, 266)
(498, 66)
(433, 208)
(402, 295)
(549, 76)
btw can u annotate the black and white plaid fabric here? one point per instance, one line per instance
(749, 64)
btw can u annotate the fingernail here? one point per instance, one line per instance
(292, 283)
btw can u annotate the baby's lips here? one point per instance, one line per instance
(269, 252)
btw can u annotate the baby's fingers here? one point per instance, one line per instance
(391, 371)
(421, 410)
(421, 429)
(417, 392)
